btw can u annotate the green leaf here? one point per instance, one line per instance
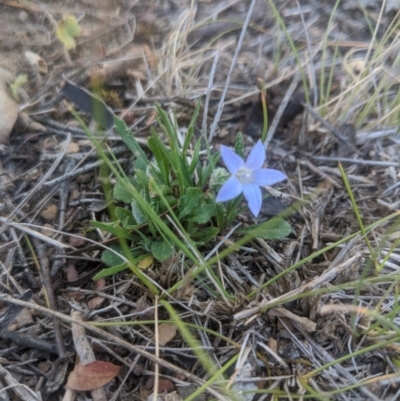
(189, 202)
(68, 29)
(184, 171)
(273, 229)
(218, 178)
(205, 234)
(239, 145)
(191, 127)
(210, 167)
(160, 153)
(128, 138)
(137, 212)
(142, 180)
(121, 193)
(115, 230)
(165, 202)
(169, 129)
(203, 213)
(111, 259)
(196, 155)
(157, 188)
(109, 271)
(125, 217)
(161, 250)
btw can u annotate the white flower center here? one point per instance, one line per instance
(244, 175)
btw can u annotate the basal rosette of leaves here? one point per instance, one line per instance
(170, 199)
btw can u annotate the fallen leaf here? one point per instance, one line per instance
(164, 385)
(95, 302)
(166, 332)
(36, 62)
(50, 213)
(93, 375)
(141, 306)
(146, 262)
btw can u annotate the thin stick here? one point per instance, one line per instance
(280, 111)
(228, 79)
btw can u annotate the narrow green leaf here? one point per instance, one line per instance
(160, 153)
(239, 145)
(277, 229)
(109, 271)
(205, 234)
(191, 127)
(195, 157)
(206, 172)
(184, 171)
(117, 231)
(128, 138)
(111, 258)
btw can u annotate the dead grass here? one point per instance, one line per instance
(313, 316)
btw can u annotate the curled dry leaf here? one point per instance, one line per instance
(93, 375)
(36, 62)
(166, 332)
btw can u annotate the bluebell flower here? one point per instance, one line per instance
(247, 177)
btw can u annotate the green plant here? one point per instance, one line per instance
(169, 200)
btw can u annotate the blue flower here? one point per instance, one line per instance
(247, 177)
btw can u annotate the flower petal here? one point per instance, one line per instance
(253, 195)
(231, 189)
(232, 161)
(256, 157)
(265, 176)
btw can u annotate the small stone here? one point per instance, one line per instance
(77, 241)
(44, 366)
(71, 273)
